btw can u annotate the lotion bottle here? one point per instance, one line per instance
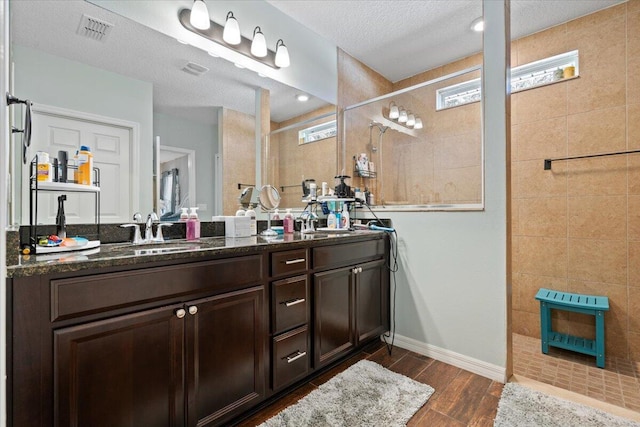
(345, 217)
(288, 222)
(193, 225)
(331, 220)
(253, 224)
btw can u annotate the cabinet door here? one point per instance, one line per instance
(125, 371)
(226, 347)
(372, 300)
(334, 320)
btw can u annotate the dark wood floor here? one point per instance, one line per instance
(460, 399)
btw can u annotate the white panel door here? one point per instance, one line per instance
(111, 146)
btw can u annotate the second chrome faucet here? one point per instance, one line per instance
(148, 231)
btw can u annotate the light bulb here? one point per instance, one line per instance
(403, 116)
(282, 55)
(199, 16)
(478, 25)
(231, 33)
(302, 97)
(411, 120)
(418, 124)
(394, 113)
(259, 44)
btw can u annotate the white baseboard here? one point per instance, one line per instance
(488, 370)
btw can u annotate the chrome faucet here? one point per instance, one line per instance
(148, 231)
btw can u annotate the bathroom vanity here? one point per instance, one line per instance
(195, 336)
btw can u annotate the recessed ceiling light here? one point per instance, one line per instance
(302, 97)
(478, 25)
(238, 65)
(215, 55)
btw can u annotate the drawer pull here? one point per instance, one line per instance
(180, 313)
(295, 356)
(294, 302)
(295, 261)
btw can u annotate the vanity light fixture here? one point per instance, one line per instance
(394, 112)
(418, 124)
(302, 97)
(402, 118)
(231, 33)
(477, 25)
(199, 17)
(259, 44)
(230, 37)
(411, 120)
(282, 55)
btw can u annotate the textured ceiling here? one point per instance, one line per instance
(402, 38)
(397, 38)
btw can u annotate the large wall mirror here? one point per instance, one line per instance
(124, 94)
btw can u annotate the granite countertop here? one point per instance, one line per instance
(122, 254)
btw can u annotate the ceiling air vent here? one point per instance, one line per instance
(94, 29)
(195, 69)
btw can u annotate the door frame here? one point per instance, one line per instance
(134, 148)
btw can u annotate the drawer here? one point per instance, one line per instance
(289, 262)
(97, 293)
(347, 254)
(290, 357)
(290, 303)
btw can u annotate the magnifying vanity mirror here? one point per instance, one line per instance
(133, 85)
(269, 199)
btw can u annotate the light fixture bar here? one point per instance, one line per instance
(214, 33)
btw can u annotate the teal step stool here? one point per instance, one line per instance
(585, 304)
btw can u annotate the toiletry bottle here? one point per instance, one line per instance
(338, 219)
(276, 215)
(345, 217)
(193, 225)
(61, 221)
(313, 191)
(331, 220)
(288, 222)
(62, 164)
(85, 165)
(240, 212)
(253, 224)
(43, 167)
(184, 215)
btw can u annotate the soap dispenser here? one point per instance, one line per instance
(288, 222)
(193, 225)
(345, 217)
(184, 215)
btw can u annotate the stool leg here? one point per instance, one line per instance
(600, 339)
(545, 326)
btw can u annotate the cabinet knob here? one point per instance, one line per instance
(355, 270)
(359, 269)
(193, 309)
(180, 313)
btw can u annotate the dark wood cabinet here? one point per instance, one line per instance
(334, 315)
(225, 355)
(125, 371)
(372, 300)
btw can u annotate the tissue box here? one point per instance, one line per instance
(237, 226)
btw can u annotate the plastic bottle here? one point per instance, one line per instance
(253, 224)
(331, 220)
(85, 165)
(43, 167)
(345, 217)
(288, 222)
(184, 215)
(276, 215)
(193, 225)
(240, 212)
(338, 219)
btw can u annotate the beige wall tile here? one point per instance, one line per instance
(541, 140)
(458, 151)
(515, 217)
(545, 256)
(633, 6)
(616, 318)
(539, 104)
(634, 264)
(602, 49)
(633, 78)
(634, 218)
(588, 22)
(543, 216)
(525, 323)
(597, 176)
(597, 131)
(634, 345)
(617, 345)
(598, 260)
(633, 127)
(633, 162)
(533, 181)
(633, 31)
(550, 42)
(634, 307)
(597, 217)
(527, 285)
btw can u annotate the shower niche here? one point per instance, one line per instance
(411, 153)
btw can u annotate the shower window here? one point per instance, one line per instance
(411, 156)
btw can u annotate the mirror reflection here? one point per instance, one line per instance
(135, 85)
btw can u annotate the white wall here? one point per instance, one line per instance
(46, 79)
(4, 173)
(452, 283)
(201, 137)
